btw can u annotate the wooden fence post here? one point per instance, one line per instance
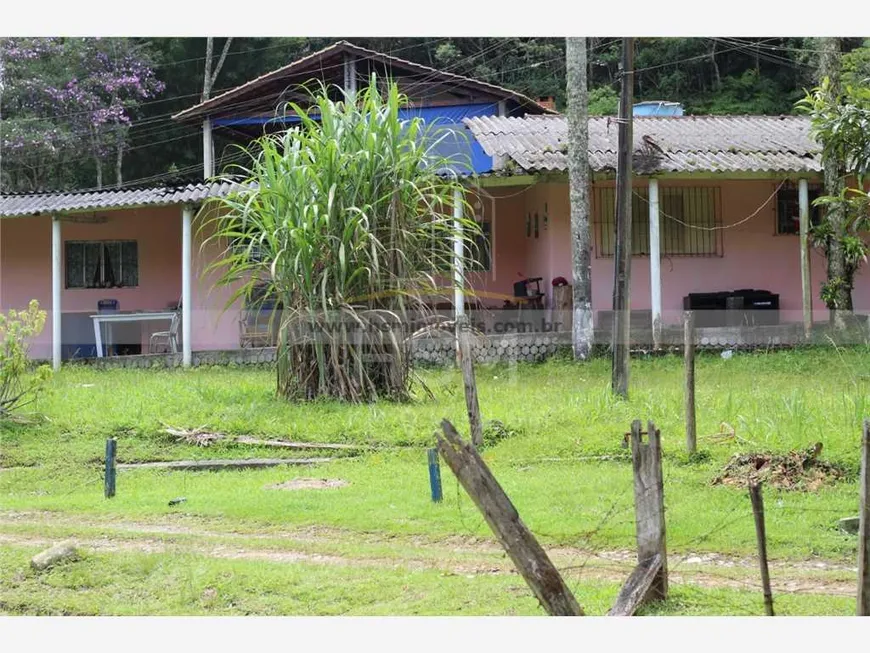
(758, 512)
(864, 527)
(649, 580)
(434, 475)
(466, 363)
(111, 446)
(689, 359)
(530, 559)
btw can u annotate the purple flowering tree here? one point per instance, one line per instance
(67, 101)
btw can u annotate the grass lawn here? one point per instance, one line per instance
(563, 465)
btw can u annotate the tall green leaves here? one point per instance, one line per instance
(840, 122)
(347, 220)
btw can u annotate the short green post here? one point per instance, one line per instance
(111, 446)
(434, 475)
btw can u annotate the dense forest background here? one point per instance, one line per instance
(85, 113)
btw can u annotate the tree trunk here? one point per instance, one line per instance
(210, 77)
(717, 75)
(98, 163)
(839, 302)
(119, 160)
(206, 77)
(578, 171)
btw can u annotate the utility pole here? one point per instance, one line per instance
(578, 177)
(622, 255)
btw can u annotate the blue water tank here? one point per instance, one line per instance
(657, 108)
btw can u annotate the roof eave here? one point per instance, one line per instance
(211, 106)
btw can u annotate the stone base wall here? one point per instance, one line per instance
(252, 356)
(486, 348)
(530, 347)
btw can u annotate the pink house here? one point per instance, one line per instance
(717, 206)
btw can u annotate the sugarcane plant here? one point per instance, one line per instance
(346, 220)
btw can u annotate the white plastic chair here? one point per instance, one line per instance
(170, 337)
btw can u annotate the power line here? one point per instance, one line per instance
(686, 60)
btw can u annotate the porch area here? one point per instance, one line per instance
(728, 249)
(119, 273)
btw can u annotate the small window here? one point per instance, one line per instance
(102, 264)
(788, 209)
(688, 221)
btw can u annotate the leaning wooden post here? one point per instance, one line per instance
(434, 475)
(649, 580)
(864, 528)
(501, 515)
(466, 363)
(758, 512)
(689, 359)
(111, 446)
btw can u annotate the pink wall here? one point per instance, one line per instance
(213, 326)
(753, 255)
(506, 214)
(25, 274)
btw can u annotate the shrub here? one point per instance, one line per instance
(346, 222)
(19, 383)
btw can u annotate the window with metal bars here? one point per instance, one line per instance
(689, 217)
(788, 209)
(102, 263)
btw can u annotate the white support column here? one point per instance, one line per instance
(186, 294)
(655, 273)
(806, 289)
(207, 150)
(56, 274)
(458, 255)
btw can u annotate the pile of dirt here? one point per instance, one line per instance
(795, 470)
(308, 484)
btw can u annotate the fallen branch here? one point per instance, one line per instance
(241, 463)
(244, 439)
(638, 587)
(204, 438)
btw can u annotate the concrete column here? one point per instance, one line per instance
(186, 294)
(207, 150)
(458, 254)
(806, 289)
(655, 274)
(56, 276)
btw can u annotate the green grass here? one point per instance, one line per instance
(560, 413)
(185, 584)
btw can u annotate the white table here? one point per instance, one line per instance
(120, 316)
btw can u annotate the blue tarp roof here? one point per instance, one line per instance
(457, 143)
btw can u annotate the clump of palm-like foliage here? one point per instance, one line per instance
(347, 221)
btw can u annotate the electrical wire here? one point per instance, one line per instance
(718, 227)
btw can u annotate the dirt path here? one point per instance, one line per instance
(453, 555)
